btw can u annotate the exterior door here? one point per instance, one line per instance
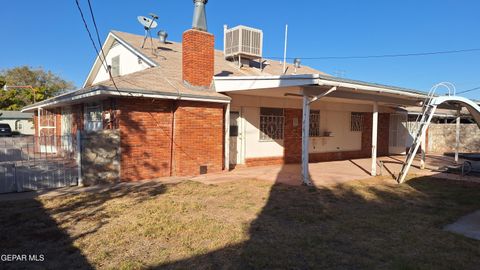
(66, 124)
(47, 131)
(235, 138)
(398, 134)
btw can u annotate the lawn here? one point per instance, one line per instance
(369, 224)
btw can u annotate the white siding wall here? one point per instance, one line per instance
(334, 117)
(27, 126)
(129, 63)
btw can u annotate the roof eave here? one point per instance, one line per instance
(105, 91)
(233, 84)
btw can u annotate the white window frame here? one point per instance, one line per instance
(94, 123)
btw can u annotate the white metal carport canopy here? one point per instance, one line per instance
(312, 87)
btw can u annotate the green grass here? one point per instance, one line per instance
(371, 224)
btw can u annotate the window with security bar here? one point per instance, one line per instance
(93, 117)
(314, 124)
(356, 122)
(271, 124)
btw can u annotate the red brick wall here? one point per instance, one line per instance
(198, 138)
(146, 138)
(198, 58)
(77, 121)
(145, 135)
(293, 142)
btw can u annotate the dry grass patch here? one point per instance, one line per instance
(248, 224)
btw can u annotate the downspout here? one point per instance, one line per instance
(172, 135)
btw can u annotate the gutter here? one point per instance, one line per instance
(317, 79)
(125, 93)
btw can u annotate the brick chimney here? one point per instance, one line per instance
(198, 50)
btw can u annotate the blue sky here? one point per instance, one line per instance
(50, 34)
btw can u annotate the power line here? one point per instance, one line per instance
(100, 45)
(89, 33)
(469, 90)
(382, 55)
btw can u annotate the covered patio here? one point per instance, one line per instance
(337, 172)
(308, 89)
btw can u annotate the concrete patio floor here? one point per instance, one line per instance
(336, 172)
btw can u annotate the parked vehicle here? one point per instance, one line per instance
(5, 130)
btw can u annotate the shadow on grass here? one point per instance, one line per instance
(353, 226)
(27, 227)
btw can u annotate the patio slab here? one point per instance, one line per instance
(334, 172)
(468, 226)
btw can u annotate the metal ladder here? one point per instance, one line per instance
(428, 110)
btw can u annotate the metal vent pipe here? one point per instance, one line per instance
(200, 15)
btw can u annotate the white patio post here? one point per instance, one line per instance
(374, 138)
(457, 137)
(423, 145)
(227, 137)
(79, 158)
(305, 137)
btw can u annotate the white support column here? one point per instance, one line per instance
(457, 137)
(374, 138)
(423, 145)
(305, 137)
(79, 158)
(227, 137)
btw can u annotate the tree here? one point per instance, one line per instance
(45, 84)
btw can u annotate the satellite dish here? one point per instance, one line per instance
(147, 23)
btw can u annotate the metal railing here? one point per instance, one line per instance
(37, 162)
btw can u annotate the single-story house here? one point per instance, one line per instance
(185, 108)
(21, 122)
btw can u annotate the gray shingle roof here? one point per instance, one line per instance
(15, 115)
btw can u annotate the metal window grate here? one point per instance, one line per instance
(314, 124)
(356, 122)
(271, 124)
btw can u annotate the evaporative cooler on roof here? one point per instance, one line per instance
(243, 42)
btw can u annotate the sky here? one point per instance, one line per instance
(51, 34)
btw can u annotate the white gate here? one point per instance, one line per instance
(24, 165)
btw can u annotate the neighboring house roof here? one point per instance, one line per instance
(15, 115)
(164, 78)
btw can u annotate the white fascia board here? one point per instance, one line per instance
(376, 89)
(231, 84)
(96, 65)
(127, 94)
(242, 83)
(108, 43)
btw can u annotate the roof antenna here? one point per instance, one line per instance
(148, 25)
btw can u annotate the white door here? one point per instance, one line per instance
(235, 138)
(66, 125)
(398, 134)
(47, 138)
